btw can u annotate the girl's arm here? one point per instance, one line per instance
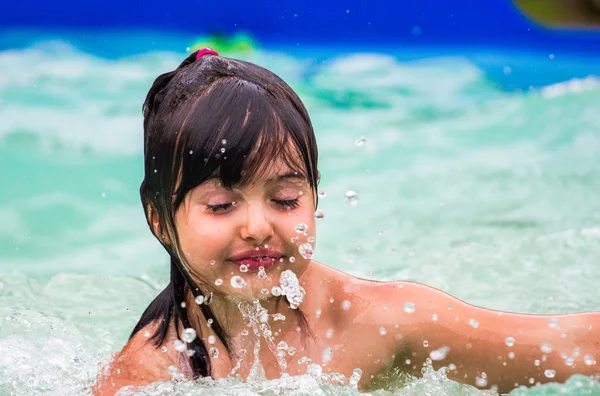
(489, 348)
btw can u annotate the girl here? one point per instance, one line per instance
(230, 192)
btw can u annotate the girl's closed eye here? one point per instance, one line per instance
(221, 207)
(287, 203)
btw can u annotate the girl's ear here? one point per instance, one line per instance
(155, 224)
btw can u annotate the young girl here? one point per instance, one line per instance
(230, 192)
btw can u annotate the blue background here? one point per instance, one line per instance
(348, 23)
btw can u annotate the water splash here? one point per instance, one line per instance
(291, 288)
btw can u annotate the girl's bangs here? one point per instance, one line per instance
(240, 139)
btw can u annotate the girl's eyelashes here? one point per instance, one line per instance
(221, 207)
(286, 204)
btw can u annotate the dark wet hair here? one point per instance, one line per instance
(213, 117)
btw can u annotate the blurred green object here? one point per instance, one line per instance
(222, 43)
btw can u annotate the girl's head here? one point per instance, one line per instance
(230, 167)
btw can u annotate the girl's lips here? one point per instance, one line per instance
(254, 259)
(254, 263)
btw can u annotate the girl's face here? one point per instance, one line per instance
(231, 233)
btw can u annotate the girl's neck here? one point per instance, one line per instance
(228, 313)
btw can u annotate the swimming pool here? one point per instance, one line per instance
(478, 174)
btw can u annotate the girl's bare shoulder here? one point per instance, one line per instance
(139, 363)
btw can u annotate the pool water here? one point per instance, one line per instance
(477, 171)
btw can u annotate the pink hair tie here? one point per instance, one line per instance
(205, 51)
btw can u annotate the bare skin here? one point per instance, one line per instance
(357, 342)
(375, 326)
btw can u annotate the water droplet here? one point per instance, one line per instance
(318, 313)
(536, 362)
(291, 351)
(314, 370)
(481, 382)
(409, 307)
(212, 262)
(304, 359)
(188, 335)
(439, 354)
(589, 360)
(278, 316)
(360, 141)
(507, 70)
(214, 352)
(219, 282)
(179, 346)
(473, 323)
(172, 370)
(292, 259)
(509, 341)
(222, 149)
(211, 339)
(311, 239)
(355, 377)
(306, 251)
(434, 317)
(449, 307)
(262, 273)
(407, 361)
(301, 228)
(183, 304)
(327, 355)
(146, 334)
(164, 349)
(199, 299)
(238, 282)
(351, 198)
(282, 346)
(569, 361)
(264, 291)
(553, 323)
(263, 317)
(276, 291)
(224, 142)
(346, 305)
(546, 348)
(549, 373)
(382, 331)
(243, 268)
(190, 352)
(425, 343)
(319, 214)
(191, 151)
(329, 333)
(511, 355)
(244, 332)
(209, 322)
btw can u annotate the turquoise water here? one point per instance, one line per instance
(468, 180)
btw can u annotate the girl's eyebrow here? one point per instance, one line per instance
(286, 176)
